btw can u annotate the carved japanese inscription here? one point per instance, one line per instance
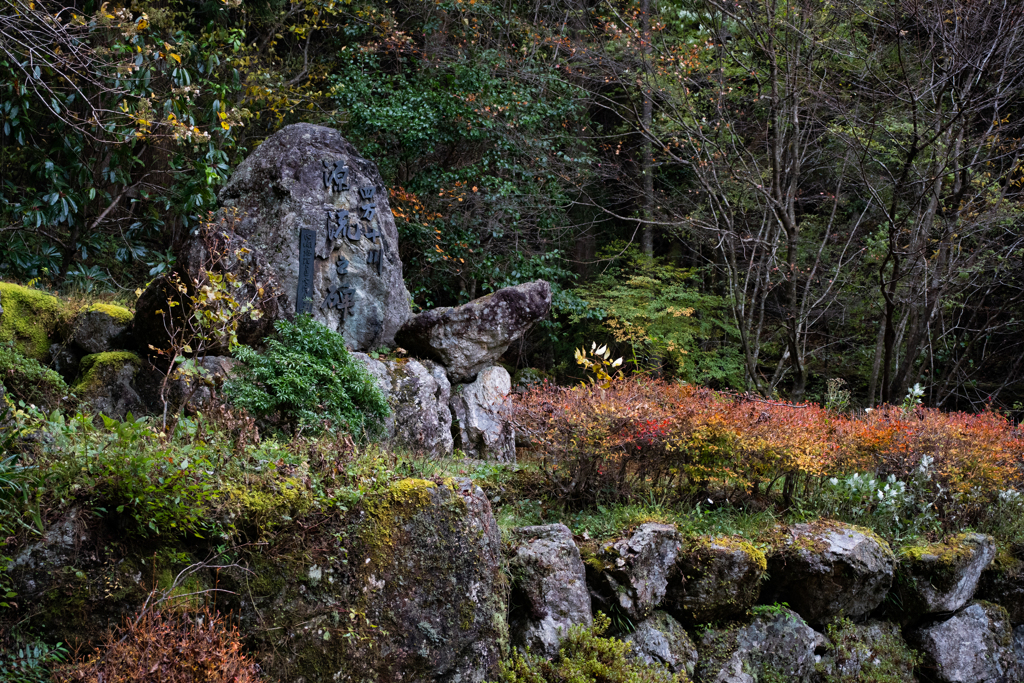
(307, 251)
(342, 298)
(368, 207)
(337, 223)
(335, 176)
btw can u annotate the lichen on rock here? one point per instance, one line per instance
(30, 319)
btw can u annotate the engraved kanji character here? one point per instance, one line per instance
(354, 232)
(372, 234)
(374, 260)
(367, 192)
(341, 267)
(335, 176)
(337, 223)
(368, 211)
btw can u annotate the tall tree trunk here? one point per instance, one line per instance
(646, 116)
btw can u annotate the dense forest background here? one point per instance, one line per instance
(761, 195)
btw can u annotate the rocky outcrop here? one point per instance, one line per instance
(419, 394)
(107, 383)
(101, 327)
(975, 645)
(1018, 647)
(829, 570)
(942, 577)
(633, 573)
(415, 595)
(468, 338)
(660, 639)
(776, 647)
(481, 412)
(549, 585)
(718, 579)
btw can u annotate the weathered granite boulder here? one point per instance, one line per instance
(107, 383)
(194, 386)
(298, 179)
(481, 411)
(1002, 582)
(415, 595)
(829, 570)
(633, 573)
(718, 579)
(468, 338)
(660, 639)
(975, 645)
(549, 583)
(419, 394)
(874, 651)
(775, 647)
(942, 577)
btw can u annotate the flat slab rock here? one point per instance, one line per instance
(550, 582)
(466, 339)
(975, 645)
(825, 571)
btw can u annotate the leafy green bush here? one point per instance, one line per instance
(127, 471)
(306, 381)
(586, 656)
(29, 381)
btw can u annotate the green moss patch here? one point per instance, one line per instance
(122, 315)
(30, 319)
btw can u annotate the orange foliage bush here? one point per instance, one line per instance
(167, 647)
(599, 443)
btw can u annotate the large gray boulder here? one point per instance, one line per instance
(414, 592)
(975, 645)
(660, 639)
(632, 574)
(302, 177)
(481, 412)
(942, 577)
(774, 647)
(418, 393)
(468, 338)
(107, 383)
(297, 179)
(718, 579)
(829, 570)
(549, 578)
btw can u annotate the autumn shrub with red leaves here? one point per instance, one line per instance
(607, 444)
(167, 647)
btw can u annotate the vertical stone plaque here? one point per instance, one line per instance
(307, 252)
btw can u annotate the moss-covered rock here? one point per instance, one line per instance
(101, 327)
(106, 382)
(874, 652)
(415, 593)
(776, 647)
(30, 319)
(826, 570)
(942, 577)
(719, 579)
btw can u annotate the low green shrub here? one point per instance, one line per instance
(305, 380)
(129, 472)
(31, 663)
(28, 381)
(584, 657)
